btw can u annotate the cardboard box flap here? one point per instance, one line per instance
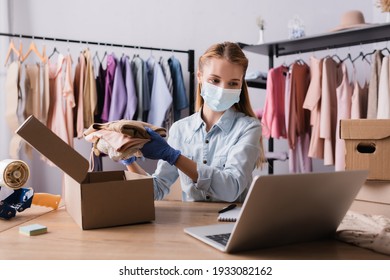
(54, 148)
(364, 129)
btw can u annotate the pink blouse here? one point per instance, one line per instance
(273, 118)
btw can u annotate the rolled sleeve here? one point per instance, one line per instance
(163, 178)
(166, 174)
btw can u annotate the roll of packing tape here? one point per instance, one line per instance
(13, 173)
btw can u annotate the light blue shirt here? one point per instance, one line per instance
(161, 98)
(226, 156)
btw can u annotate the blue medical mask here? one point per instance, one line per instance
(219, 99)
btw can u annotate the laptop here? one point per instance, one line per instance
(285, 209)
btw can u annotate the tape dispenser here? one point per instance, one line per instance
(14, 174)
(13, 197)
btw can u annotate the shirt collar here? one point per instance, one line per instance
(225, 123)
(198, 120)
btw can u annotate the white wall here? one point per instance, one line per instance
(177, 24)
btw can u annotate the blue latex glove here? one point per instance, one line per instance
(129, 161)
(158, 148)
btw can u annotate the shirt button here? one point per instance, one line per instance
(204, 161)
(207, 141)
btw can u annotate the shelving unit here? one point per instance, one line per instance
(257, 83)
(332, 40)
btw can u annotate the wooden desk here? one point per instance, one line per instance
(162, 239)
(23, 217)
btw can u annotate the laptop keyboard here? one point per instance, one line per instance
(220, 238)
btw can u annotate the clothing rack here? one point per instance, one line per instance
(331, 40)
(190, 53)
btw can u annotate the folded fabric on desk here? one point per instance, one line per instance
(365, 230)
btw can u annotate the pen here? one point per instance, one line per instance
(227, 208)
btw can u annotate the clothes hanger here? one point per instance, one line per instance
(44, 51)
(123, 51)
(173, 53)
(386, 49)
(54, 52)
(96, 56)
(162, 58)
(361, 54)
(285, 64)
(349, 57)
(298, 60)
(336, 56)
(12, 49)
(366, 60)
(33, 48)
(368, 54)
(364, 56)
(68, 54)
(136, 54)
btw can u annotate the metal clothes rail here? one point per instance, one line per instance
(190, 53)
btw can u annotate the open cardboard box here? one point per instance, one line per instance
(93, 199)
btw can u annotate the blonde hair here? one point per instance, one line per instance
(232, 53)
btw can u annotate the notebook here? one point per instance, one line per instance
(285, 209)
(34, 229)
(229, 216)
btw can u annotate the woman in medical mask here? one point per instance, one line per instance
(215, 150)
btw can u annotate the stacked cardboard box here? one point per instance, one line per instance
(367, 144)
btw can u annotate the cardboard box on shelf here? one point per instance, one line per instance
(93, 199)
(373, 198)
(367, 146)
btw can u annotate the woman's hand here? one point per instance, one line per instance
(158, 148)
